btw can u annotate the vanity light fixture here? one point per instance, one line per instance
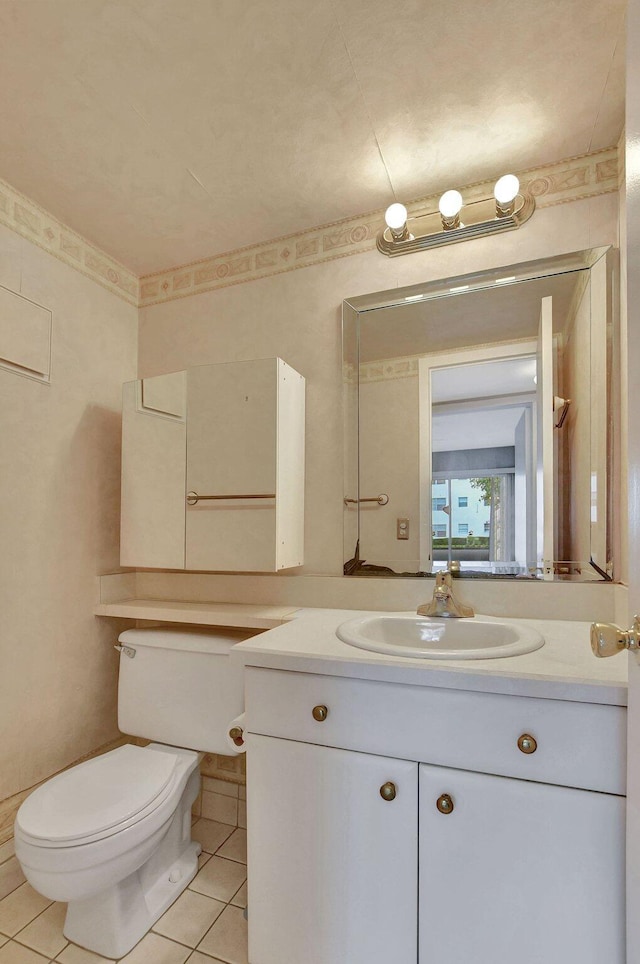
(505, 210)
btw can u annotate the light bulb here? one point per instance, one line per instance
(396, 216)
(450, 204)
(505, 193)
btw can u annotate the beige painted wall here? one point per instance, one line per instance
(390, 463)
(59, 520)
(297, 315)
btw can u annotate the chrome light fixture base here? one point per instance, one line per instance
(480, 220)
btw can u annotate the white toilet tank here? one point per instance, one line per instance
(180, 687)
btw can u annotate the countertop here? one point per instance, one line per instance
(563, 669)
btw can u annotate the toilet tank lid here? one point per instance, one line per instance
(186, 640)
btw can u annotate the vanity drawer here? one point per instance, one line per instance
(576, 744)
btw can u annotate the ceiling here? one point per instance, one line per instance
(477, 426)
(167, 131)
(479, 429)
(487, 379)
(503, 312)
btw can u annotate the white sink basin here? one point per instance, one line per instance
(431, 637)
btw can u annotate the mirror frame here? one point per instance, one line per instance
(355, 308)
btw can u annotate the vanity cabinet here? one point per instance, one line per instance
(213, 468)
(365, 846)
(333, 876)
(518, 871)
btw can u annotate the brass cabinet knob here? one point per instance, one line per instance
(444, 803)
(237, 735)
(388, 791)
(527, 743)
(320, 713)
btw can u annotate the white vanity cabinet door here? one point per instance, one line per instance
(332, 865)
(519, 872)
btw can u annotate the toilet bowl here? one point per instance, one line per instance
(112, 836)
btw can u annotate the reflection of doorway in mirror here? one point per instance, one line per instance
(478, 456)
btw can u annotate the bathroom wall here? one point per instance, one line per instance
(297, 315)
(390, 463)
(59, 519)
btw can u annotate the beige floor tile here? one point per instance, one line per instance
(44, 934)
(242, 813)
(227, 939)
(7, 850)
(154, 949)
(240, 899)
(203, 859)
(216, 806)
(189, 918)
(198, 958)
(211, 785)
(20, 908)
(235, 848)
(72, 954)
(12, 953)
(11, 876)
(3, 939)
(242, 791)
(210, 834)
(220, 878)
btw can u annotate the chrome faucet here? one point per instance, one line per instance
(444, 602)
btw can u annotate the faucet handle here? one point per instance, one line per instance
(444, 602)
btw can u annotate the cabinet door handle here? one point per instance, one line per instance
(388, 791)
(320, 713)
(527, 743)
(444, 803)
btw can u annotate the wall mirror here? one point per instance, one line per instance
(477, 428)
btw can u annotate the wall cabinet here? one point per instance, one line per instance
(454, 864)
(213, 468)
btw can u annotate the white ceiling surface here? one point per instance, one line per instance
(478, 426)
(482, 429)
(166, 131)
(508, 376)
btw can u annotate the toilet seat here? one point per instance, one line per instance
(99, 798)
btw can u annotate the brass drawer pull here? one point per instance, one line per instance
(320, 713)
(445, 804)
(527, 743)
(388, 791)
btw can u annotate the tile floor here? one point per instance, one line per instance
(205, 925)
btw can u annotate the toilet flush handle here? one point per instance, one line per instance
(127, 650)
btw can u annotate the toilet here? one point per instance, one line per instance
(112, 836)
